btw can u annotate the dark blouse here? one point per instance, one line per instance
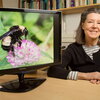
(75, 57)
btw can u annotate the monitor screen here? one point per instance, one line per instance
(39, 46)
(29, 39)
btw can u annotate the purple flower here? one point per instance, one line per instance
(27, 53)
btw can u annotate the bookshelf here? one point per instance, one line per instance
(62, 5)
(78, 9)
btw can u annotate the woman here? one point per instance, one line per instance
(81, 60)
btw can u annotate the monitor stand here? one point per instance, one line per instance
(21, 84)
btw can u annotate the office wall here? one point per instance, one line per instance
(10, 3)
(70, 23)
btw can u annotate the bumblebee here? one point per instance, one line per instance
(13, 37)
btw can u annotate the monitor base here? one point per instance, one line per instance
(16, 86)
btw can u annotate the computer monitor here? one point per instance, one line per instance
(29, 39)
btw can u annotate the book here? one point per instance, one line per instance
(72, 3)
(45, 3)
(31, 4)
(38, 1)
(35, 4)
(64, 3)
(90, 2)
(87, 2)
(41, 4)
(94, 1)
(1, 4)
(61, 3)
(26, 5)
(48, 5)
(77, 3)
(57, 4)
(54, 4)
(23, 3)
(51, 4)
(68, 3)
(83, 2)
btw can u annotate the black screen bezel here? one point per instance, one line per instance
(57, 40)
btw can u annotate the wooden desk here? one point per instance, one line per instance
(56, 89)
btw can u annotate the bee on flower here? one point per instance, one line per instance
(20, 51)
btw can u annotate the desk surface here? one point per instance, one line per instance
(56, 89)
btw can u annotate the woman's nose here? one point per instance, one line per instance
(95, 24)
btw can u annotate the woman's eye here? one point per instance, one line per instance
(90, 22)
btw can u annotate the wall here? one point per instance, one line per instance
(69, 24)
(10, 3)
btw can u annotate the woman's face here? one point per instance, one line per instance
(91, 26)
